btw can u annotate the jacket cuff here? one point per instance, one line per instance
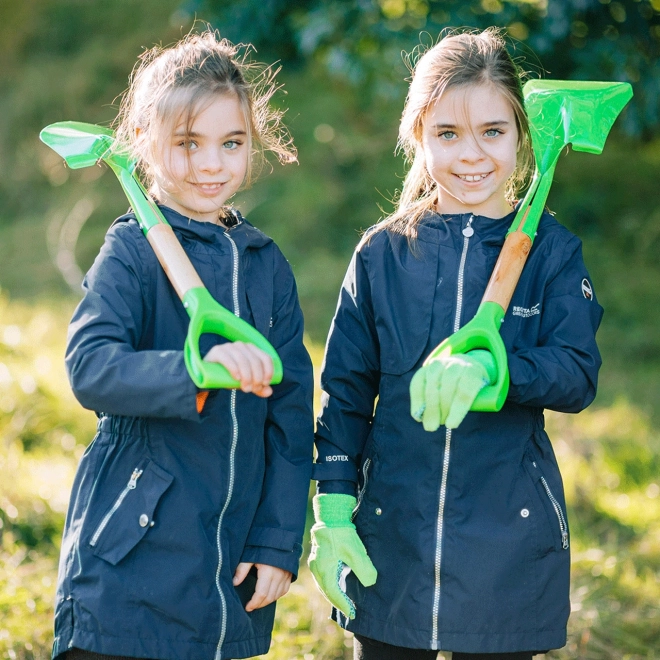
(337, 487)
(269, 537)
(341, 470)
(287, 561)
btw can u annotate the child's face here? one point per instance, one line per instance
(470, 143)
(200, 168)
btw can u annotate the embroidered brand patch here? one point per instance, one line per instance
(526, 312)
(336, 457)
(587, 291)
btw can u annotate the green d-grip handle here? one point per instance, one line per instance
(208, 316)
(482, 332)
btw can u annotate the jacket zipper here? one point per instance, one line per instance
(232, 456)
(365, 472)
(563, 527)
(132, 483)
(467, 232)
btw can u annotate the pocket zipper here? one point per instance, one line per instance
(563, 527)
(132, 482)
(365, 472)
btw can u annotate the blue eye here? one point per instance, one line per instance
(447, 135)
(232, 144)
(187, 144)
(493, 132)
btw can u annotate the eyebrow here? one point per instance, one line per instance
(495, 122)
(197, 135)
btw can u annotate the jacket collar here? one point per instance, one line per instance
(241, 231)
(491, 230)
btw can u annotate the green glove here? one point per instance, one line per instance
(443, 391)
(336, 544)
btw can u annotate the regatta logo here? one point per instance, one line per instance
(526, 312)
(587, 291)
(336, 457)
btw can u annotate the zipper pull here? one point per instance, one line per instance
(564, 540)
(134, 477)
(468, 231)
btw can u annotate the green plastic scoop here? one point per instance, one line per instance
(83, 145)
(560, 113)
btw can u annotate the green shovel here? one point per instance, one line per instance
(83, 145)
(560, 113)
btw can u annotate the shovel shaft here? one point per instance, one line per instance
(508, 268)
(173, 259)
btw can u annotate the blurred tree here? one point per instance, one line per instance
(361, 40)
(62, 59)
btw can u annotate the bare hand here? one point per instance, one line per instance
(249, 365)
(272, 583)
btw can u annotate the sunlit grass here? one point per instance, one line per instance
(609, 456)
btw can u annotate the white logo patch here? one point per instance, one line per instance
(526, 312)
(336, 457)
(587, 291)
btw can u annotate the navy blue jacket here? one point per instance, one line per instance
(167, 501)
(467, 528)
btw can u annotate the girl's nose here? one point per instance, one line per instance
(471, 151)
(212, 160)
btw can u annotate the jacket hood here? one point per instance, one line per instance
(244, 234)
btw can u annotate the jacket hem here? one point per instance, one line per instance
(462, 642)
(158, 649)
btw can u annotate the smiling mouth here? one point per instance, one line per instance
(471, 178)
(209, 188)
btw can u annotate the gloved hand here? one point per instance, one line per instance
(443, 391)
(335, 543)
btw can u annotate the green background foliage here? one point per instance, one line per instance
(344, 87)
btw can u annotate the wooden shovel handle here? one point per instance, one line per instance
(173, 259)
(508, 268)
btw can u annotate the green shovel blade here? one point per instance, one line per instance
(82, 145)
(575, 112)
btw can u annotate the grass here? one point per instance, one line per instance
(609, 455)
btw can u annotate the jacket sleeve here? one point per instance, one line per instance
(275, 537)
(561, 373)
(106, 370)
(349, 382)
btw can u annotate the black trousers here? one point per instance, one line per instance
(80, 654)
(369, 649)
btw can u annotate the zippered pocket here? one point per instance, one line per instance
(563, 527)
(550, 503)
(365, 474)
(131, 485)
(130, 517)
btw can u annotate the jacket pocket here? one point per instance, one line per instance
(364, 514)
(551, 504)
(561, 519)
(363, 487)
(129, 518)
